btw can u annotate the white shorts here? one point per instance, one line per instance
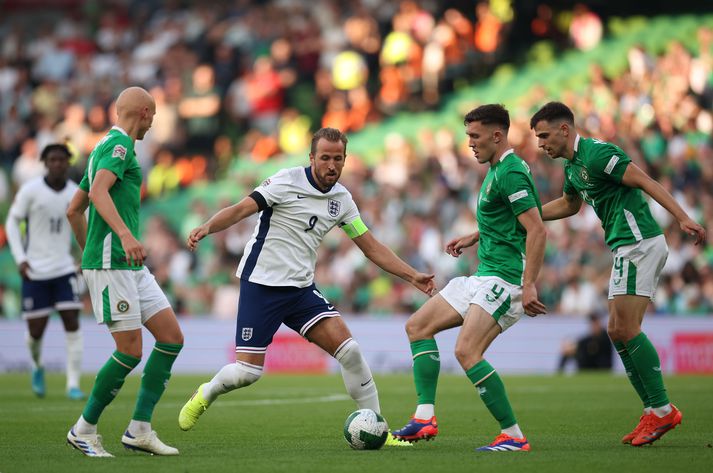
(637, 268)
(124, 299)
(497, 297)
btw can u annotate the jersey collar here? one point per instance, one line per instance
(576, 148)
(119, 129)
(504, 155)
(308, 173)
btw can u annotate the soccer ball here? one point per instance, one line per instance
(365, 430)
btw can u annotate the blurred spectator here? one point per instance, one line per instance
(246, 81)
(591, 352)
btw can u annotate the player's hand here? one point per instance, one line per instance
(424, 283)
(134, 251)
(533, 307)
(196, 235)
(694, 229)
(24, 270)
(455, 246)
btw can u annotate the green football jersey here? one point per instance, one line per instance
(115, 153)
(595, 173)
(507, 191)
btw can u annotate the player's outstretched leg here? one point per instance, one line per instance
(230, 377)
(492, 391)
(139, 435)
(426, 367)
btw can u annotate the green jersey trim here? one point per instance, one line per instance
(355, 228)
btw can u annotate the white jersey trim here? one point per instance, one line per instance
(633, 226)
(106, 252)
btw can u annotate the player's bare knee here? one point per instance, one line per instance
(417, 329)
(616, 334)
(467, 357)
(175, 337)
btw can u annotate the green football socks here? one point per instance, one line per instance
(646, 361)
(632, 373)
(492, 392)
(157, 372)
(109, 381)
(426, 366)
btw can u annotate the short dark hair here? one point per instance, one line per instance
(55, 147)
(329, 134)
(552, 111)
(489, 114)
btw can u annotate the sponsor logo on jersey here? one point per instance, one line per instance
(247, 333)
(119, 152)
(333, 206)
(122, 306)
(487, 189)
(300, 196)
(265, 183)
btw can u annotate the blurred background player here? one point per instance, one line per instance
(44, 259)
(602, 175)
(512, 247)
(298, 207)
(124, 293)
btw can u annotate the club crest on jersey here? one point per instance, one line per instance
(584, 174)
(247, 333)
(119, 152)
(333, 206)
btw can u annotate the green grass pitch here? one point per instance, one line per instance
(294, 424)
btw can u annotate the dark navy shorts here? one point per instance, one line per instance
(40, 298)
(261, 310)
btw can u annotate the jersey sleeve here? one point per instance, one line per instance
(84, 183)
(21, 205)
(517, 190)
(113, 156)
(568, 187)
(352, 224)
(609, 162)
(275, 189)
(18, 212)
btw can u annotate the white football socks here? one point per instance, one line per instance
(139, 427)
(424, 411)
(513, 431)
(35, 346)
(357, 376)
(74, 358)
(82, 427)
(233, 376)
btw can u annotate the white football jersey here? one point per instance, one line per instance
(283, 248)
(47, 243)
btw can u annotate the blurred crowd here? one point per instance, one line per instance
(247, 80)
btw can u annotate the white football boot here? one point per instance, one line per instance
(89, 444)
(148, 442)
